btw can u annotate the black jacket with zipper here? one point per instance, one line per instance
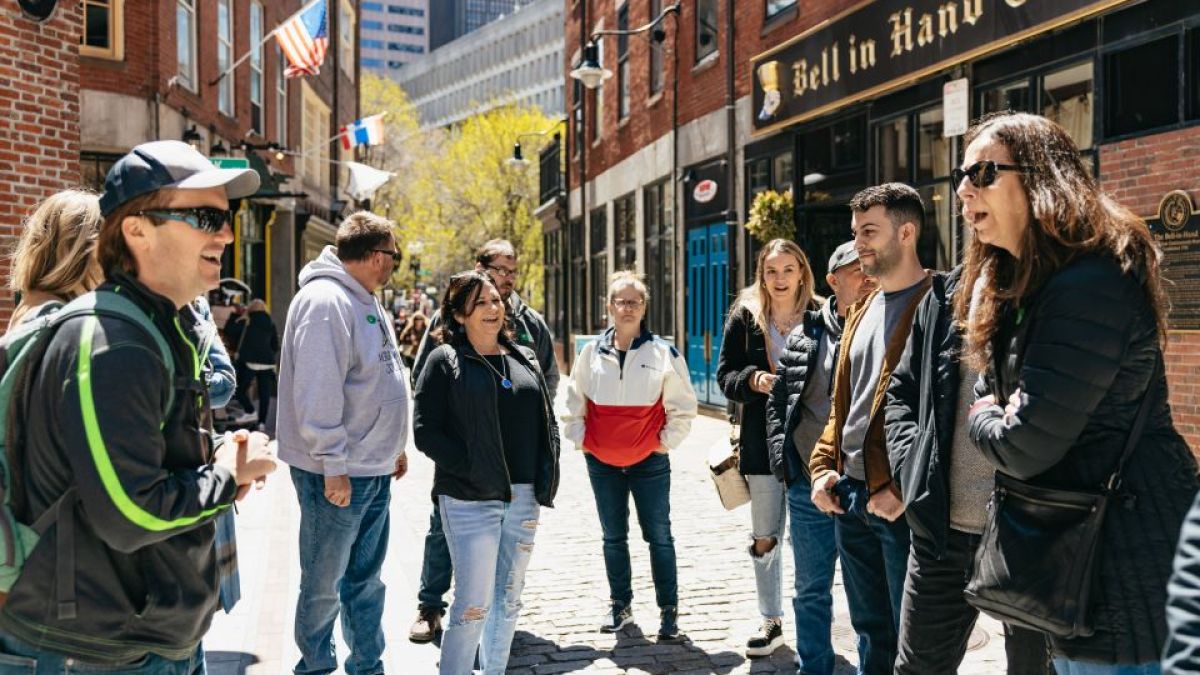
(784, 405)
(744, 353)
(1082, 352)
(922, 401)
(456, 422)
(145, 568)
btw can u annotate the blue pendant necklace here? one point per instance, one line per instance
(504, 381)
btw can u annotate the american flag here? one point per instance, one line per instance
(304, 40)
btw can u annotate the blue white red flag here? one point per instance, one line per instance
(367, 131)
(304, 40)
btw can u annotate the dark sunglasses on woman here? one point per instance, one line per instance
(203, 218)
(982, 174)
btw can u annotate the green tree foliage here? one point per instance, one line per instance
(454, 190)
(772, 216)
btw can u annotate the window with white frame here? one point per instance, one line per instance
(281, 98)
(623, 62)
(256, 68)
(185, 42)
(103, 29)
(225, 56)
(346, 33)
(314, 145)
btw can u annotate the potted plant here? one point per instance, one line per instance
(772, 216)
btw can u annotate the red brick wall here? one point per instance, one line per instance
(39, 118)
(1138, 172)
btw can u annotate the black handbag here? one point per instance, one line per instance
(1036, 561)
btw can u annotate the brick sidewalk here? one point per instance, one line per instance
(565, 589)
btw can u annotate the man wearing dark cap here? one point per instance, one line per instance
(797, 410)
(125, 578)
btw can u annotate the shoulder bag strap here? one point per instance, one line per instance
(1135, 434)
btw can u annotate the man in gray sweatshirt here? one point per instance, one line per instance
(343, 423)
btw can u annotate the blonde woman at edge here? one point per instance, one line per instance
(758, 325)
(54, 261)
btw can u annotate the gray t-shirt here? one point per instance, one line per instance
(867, 352)
(775, 344)
(971, 475)
(816, 403)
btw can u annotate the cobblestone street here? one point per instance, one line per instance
(565, 591)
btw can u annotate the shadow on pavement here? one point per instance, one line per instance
(228, 663)
(532, 655)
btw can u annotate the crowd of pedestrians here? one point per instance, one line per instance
(935, 432)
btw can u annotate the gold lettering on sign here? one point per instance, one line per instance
(925, 32)
(901, 32)
(947, 19)
(806, 78)
(972, 10)
(866, 54)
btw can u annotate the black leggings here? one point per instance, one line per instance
(266, 387)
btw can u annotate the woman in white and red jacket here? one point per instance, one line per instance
(629, 402)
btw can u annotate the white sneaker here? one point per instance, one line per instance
(246, 418)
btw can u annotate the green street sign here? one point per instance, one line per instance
(230, 162)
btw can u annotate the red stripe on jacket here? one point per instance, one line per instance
(623, 435)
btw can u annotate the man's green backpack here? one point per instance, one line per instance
(21, 351)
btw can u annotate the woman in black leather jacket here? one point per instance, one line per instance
(483, 415)
(1067, 322)
(759, 323)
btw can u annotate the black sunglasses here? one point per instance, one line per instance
(982, 174)
(203, 218)
(397, 256)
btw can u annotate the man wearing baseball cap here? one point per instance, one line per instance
(117, 451)
(797, 410)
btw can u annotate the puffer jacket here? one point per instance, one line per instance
(784, 405)
(921, 413)
(744, 353)
(1082, 351)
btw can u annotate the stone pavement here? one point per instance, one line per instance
(565, 589)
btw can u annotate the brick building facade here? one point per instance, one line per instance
(633, 176)
(39, 117)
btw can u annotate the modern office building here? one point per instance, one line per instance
(452, 19)
(516, 59)
(393, 33)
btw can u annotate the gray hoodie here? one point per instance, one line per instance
(343, 400)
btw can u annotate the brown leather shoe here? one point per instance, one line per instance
(427, 625)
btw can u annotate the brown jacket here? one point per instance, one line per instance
(827, 455)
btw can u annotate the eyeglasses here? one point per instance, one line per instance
(622, 303)
(501, 271)
(204, 218)
(397, 256)
(982, 174)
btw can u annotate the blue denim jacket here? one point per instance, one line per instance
(218, 368)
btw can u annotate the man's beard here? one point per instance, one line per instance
(886, 259)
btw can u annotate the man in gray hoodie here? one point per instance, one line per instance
(343, 423)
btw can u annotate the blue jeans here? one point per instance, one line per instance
(490, 543)
(341, 554)
(1068, 667)
(814, 551)
(874, 557)
(767, 516)
(436, 568)
(649, 481)
(18, 658)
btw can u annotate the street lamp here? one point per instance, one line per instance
(193, 138)
(590, 72)
(518, 157)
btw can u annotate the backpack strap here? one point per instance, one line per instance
(62, 511)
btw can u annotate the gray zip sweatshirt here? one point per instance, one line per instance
(343, 400)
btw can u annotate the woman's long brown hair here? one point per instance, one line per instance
(1069, 216)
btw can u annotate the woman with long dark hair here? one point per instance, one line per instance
(483, 414)
(1067, 320)
(759, 323)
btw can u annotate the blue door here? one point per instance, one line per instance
(707, 301)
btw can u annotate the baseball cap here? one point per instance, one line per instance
(843, 255)
(159, 165)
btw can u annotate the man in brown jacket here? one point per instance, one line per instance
(851, 477)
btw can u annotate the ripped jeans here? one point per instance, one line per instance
(490, 546)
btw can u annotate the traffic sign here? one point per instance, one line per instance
(230, 162)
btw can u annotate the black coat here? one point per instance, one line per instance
(254, 338)
(1083, 363)
(799, 357)
(743, 353)
(456, 422)
(922, 402)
